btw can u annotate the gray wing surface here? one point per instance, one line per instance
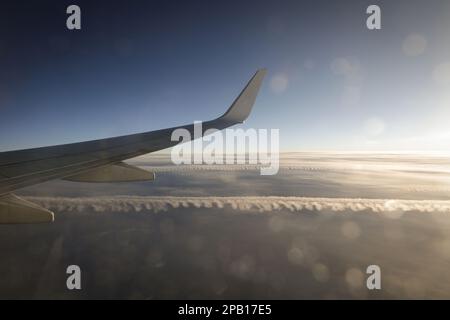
(24, 168)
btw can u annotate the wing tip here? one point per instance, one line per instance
(243, 104)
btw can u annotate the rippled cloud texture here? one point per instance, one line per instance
(241, 204)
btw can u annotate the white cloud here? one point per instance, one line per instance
(243, 204)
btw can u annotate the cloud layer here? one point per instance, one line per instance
(241, 204)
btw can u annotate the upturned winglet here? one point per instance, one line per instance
(242, 106)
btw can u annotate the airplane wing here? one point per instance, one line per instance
(97, 160)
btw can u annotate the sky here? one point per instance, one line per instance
(143, 65)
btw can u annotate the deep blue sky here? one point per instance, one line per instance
(144, 65)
